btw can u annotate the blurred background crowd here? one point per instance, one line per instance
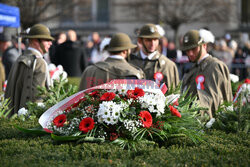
(75, 54)
(82, 29)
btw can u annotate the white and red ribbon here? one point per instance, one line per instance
(239, 89)
(200, 79)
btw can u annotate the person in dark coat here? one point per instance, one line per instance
(71, 55)
(9, 52)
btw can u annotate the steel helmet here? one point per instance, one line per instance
(191, 40)
(149, 31)
(120, 42)
(39, 31)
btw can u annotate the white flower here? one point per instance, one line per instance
(132, 125)
(230, 108)
(234, 78)
(40, 104)
(155, 103)
(22, 111)
(210, 123)
(109, 112)
(244, 87)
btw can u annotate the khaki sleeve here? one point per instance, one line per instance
(39, 75)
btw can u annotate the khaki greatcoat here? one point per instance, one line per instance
(26, 74)
(103, 72)
(217, 84)
(159, 63)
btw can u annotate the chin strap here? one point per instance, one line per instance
(199, 55)
(145, 48)
(42, 46)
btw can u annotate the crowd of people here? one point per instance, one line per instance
(202, 65)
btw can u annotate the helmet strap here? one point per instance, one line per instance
(199, 55)
(42, 46)
(145, 48)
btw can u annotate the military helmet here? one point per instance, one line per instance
(191, 40)
(120, 42)
(39, 31)
(149, 31)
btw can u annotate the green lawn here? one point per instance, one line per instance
(217, 149)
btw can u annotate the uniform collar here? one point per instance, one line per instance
(203, 58)
(150, 56)
(116, 57)
(204, 62)
(37, 53)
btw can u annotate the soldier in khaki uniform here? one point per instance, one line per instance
(114, 67)
(208, 78)
(150, 60)
(30, 69)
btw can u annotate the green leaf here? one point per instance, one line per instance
(38, 130)
(66, 138)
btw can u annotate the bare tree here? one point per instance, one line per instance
(178, 12)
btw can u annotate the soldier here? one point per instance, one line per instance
(30, 69)
(114, 67)
(151, 61)
(209, 78)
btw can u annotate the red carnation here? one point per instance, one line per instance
(158, 125)
(146, 118)
(60, 120)
(247, 81)
(135, 93)
(113, 136)
(138, 92)
(76, 104)
(86, 124)
(130, 94)
(174, 111)
(94, 94)
(108, 96)
(68, 109)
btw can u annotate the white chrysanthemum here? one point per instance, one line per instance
(22, 111)
(234, 78)
(230, 108)
(109, 112)
(155, 103)
(41, 104)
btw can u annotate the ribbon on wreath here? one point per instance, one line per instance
(241, 88)
(200, 79)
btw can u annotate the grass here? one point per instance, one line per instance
(74, 80)
(217, 149)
